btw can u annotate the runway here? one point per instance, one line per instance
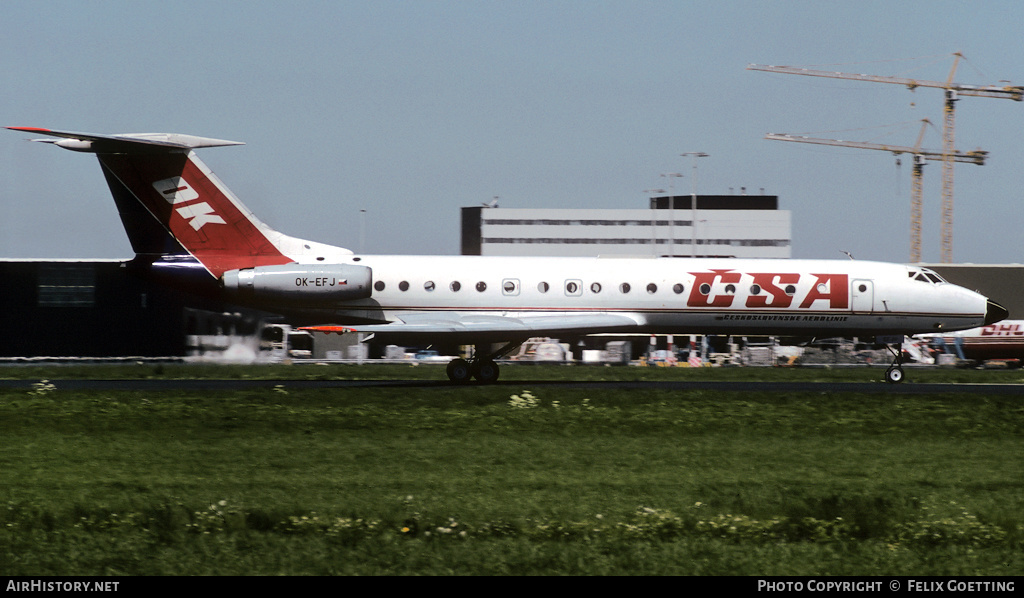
(907, 388)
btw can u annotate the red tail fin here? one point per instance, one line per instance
(171, 202)
(196, 209)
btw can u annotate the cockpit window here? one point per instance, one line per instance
(926, 276)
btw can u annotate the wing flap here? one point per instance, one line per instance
(475, 329)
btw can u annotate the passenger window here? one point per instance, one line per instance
(379, 285)
(624, 288)
(455, 286)
(403, 286)
(543, 287)
(705, 289)
(678, 288)
(510, 286)
(595, 287)
(574, 288)
(481, 286)
(429, 286)
(652, 288)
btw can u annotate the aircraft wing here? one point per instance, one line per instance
(474, 329)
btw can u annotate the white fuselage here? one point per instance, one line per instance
(673, 294)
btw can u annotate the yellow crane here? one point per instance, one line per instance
(920, 155)
(952, 93)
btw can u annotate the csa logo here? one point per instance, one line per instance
(177, 191)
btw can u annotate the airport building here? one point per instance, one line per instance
(738, 226)
(98, 308)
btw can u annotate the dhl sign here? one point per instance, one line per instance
(1004, 329)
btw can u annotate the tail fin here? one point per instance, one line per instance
(171, 203)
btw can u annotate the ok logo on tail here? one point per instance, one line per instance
(176, 190)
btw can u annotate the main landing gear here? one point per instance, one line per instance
(483, 368)
(461, 370)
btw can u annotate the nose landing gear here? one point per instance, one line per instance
(894, 375)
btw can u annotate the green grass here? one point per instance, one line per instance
(468, 480)
(511, 372)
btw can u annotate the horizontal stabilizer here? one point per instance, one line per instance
(128, 143)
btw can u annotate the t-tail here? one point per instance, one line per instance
(173, 206)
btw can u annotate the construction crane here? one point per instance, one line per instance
(952, 93)
(920, 155)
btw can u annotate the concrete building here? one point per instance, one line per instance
(742, 226)
(100, 308)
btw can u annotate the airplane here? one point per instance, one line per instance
(188, 229)
(998, 341)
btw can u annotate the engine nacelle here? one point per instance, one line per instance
(76, 145)
(301, 283)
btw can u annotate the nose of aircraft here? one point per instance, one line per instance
(994, 313)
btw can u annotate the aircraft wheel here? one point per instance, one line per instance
(486, 371)
(894, 375)
(459, 371)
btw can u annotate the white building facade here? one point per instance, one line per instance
(738, 226)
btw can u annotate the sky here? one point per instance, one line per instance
(412, 109)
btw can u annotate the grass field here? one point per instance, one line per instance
(508, 479)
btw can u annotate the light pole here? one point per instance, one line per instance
(671, 211)
(362, 239)
(693, 200)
